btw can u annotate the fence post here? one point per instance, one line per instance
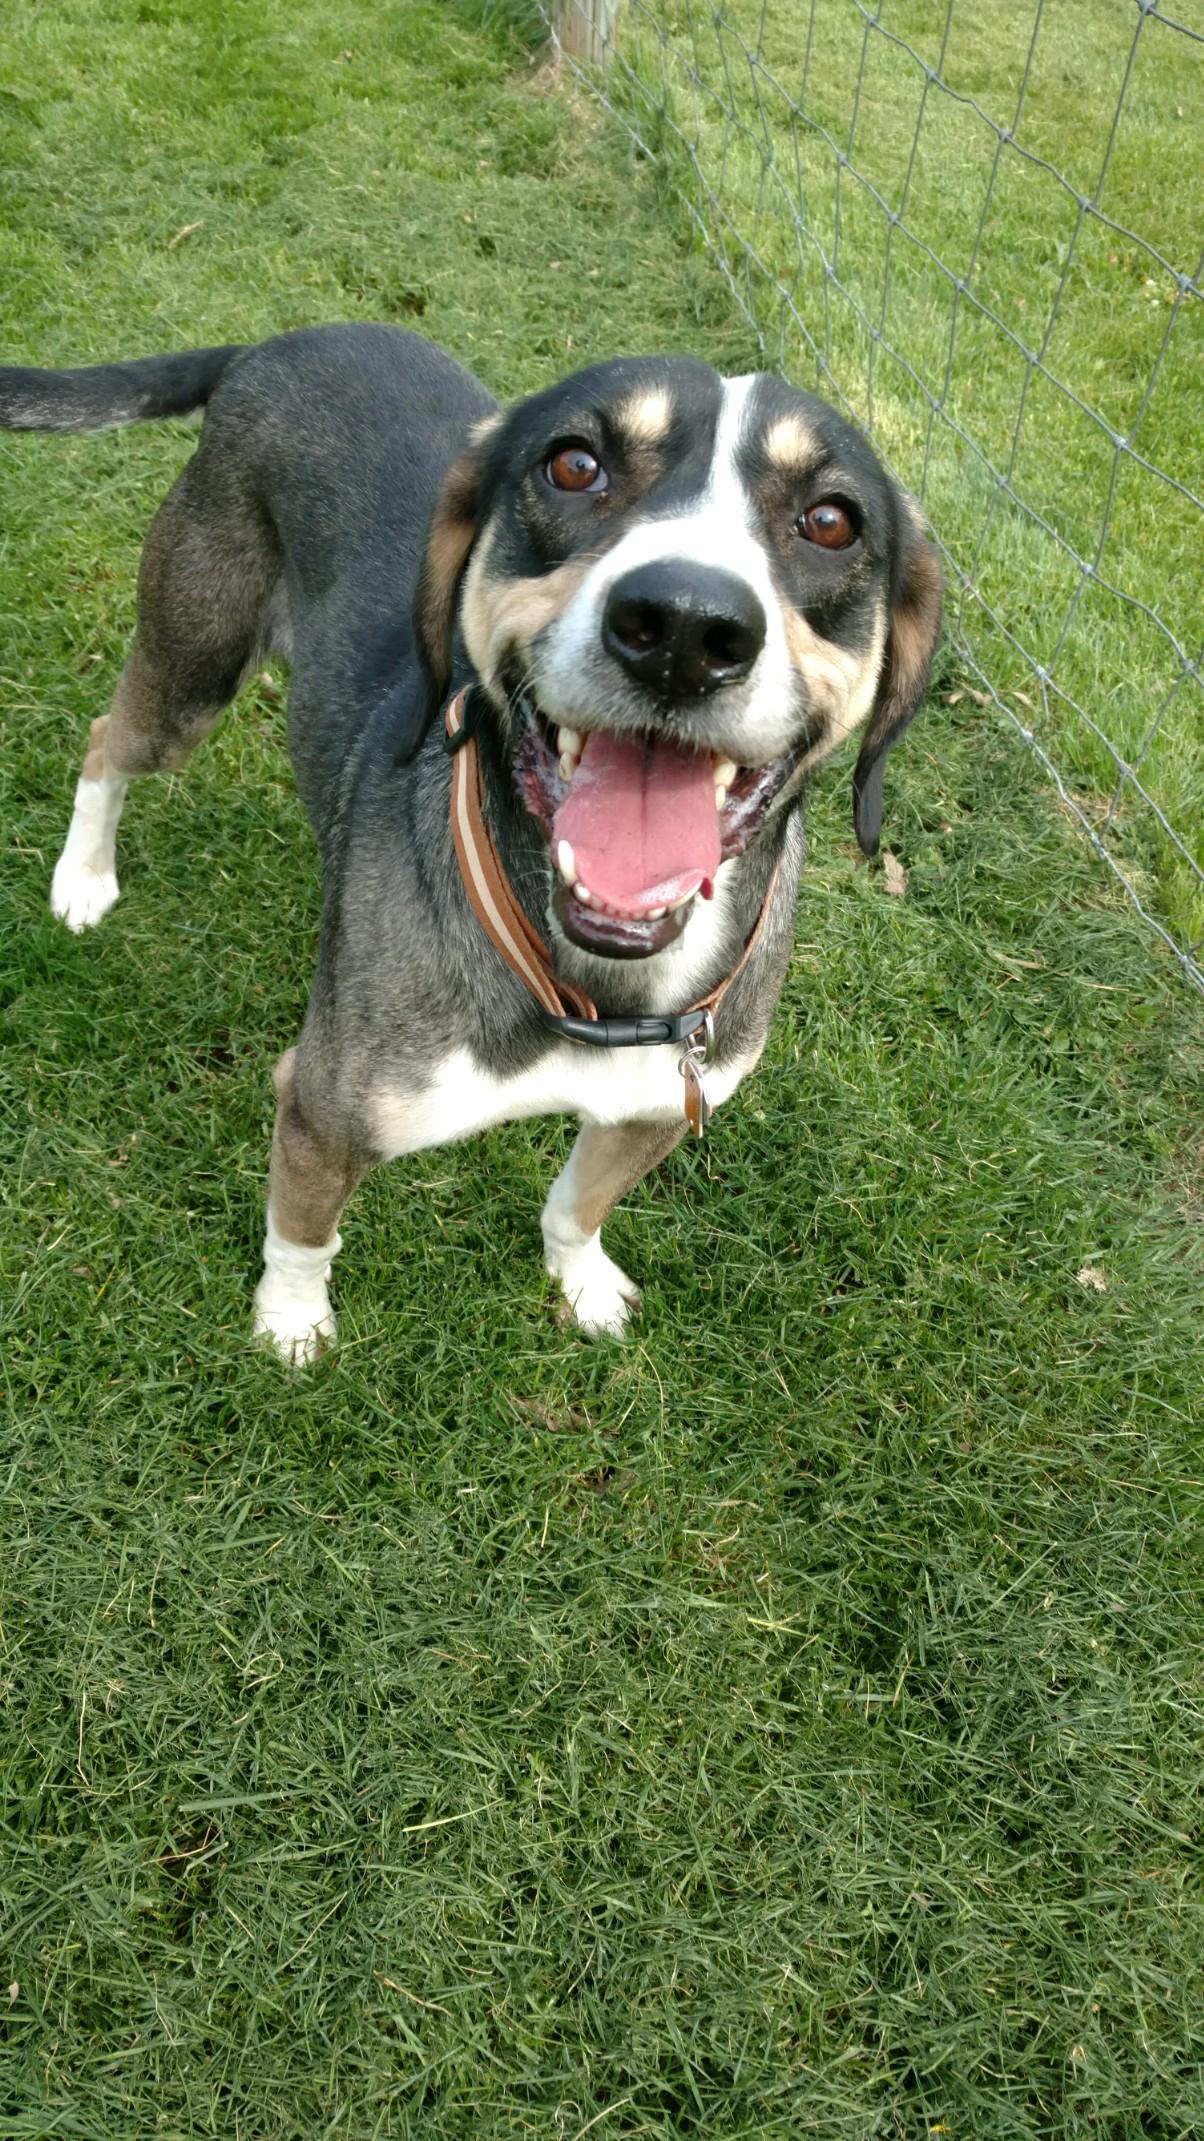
(583, 28)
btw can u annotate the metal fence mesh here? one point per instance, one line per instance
(976, 229)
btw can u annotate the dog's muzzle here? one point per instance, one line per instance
(682, 631)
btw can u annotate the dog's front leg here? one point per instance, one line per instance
(603, 1165)
(309, 1185)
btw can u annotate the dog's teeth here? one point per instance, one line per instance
(568, 743)
(566, 863)
(580, 892)
(720, 797)
(723, 772)
(568, 765)
(656, 914)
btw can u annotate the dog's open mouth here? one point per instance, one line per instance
(638, 826)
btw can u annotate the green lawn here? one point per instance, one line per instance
(1016, 461)
(789, 1724)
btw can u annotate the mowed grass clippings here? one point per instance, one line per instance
(788, 1724)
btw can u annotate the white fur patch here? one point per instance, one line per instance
(600, 1295)
(84, 885)
(716, 529)
(292, 1303)
(604, 1085)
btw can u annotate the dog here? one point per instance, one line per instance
(559, 675)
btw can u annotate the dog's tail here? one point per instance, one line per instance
(109, 394)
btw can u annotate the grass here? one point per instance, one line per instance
(786, 1725)
(949, 392)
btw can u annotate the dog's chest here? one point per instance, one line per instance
(599, 1085)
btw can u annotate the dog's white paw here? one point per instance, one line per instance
(292, 1304)
(84, 885)
(80, 895)
(299, 1328)
(601, 1296)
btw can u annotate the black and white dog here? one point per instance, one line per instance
(672, 594)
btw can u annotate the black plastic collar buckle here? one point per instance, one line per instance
(627, 1032)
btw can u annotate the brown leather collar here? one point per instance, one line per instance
(566, 1009)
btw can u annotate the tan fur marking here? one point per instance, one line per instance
(915, 620)
(499, 615)
(96, 763)
(840, 685)
(790, 443)
(643, 419)
(913, 624)
(133, 738)
(308, 1188)
(453, 526)
(610, 1161)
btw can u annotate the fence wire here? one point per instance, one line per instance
(976, 229)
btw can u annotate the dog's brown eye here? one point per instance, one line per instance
(575, 468)
(828, 525)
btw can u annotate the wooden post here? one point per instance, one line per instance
(583, 28)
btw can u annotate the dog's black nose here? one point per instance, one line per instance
(683, 630)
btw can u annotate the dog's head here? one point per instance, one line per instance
(680, 592)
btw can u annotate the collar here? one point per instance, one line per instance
(565, 1009)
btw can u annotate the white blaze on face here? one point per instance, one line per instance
(717, 529)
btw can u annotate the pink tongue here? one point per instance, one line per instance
(641, 820)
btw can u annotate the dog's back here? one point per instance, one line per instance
(294, 530)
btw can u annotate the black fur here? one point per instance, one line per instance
(103, 395)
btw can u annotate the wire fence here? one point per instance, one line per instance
(977, 230)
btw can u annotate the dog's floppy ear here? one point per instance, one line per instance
(915, 616)
(449, 542)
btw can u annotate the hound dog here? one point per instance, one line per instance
(656, 599)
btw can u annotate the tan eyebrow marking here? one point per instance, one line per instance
(644, 418)
(790, 443)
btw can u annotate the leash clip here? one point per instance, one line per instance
(692, 1064)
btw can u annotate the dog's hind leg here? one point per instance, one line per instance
(208, 574)
(309, 1185)
(84, 885)
(604, 1164)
